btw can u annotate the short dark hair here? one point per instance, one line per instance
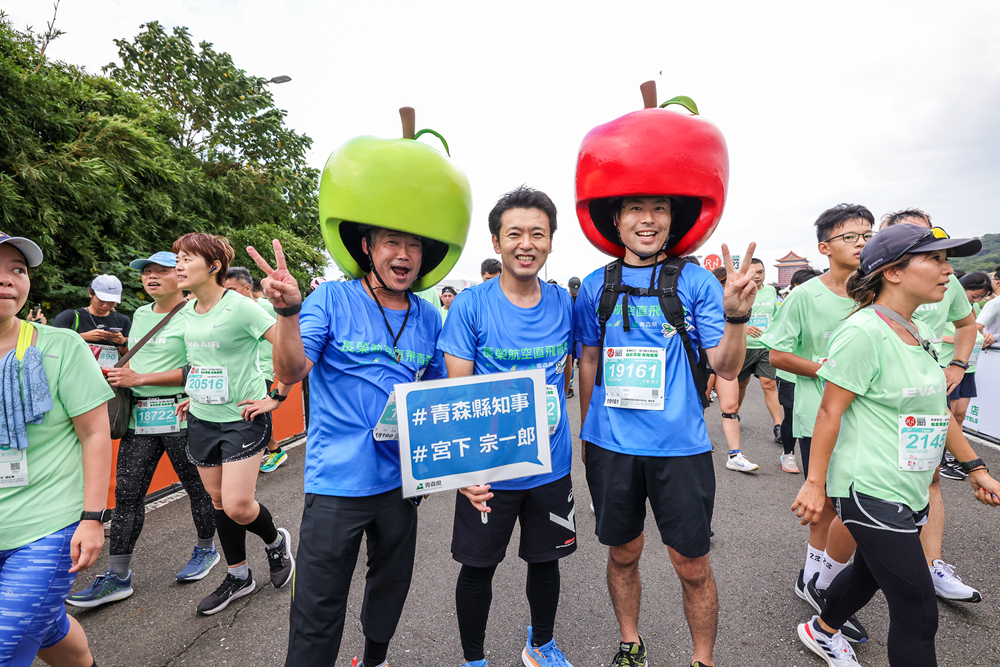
(209, 247)
(976, 280)
(490, 266)
(256, 286)
(831, 218)
(896, 217)
(241, 274)
(757, 260)
(803, 276)
(522, 197)
(720, 274)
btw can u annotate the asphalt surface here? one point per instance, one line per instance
(756, 554)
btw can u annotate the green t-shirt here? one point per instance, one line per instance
(804, 324)
(227, 336)
(890, 378)
(265, 351)
(53, 497)
(947, 352)
(953, 307)
(785, 375)
(765, 305)
(163, 352)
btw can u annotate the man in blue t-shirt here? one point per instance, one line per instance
(644, 434)
(516, 322)
(356, 340)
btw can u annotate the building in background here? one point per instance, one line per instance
(788, 265)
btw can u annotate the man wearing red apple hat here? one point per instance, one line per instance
(650, 188)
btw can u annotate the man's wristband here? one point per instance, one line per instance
(739, 320)
(969, 466)
(961, 364)
(288, 312)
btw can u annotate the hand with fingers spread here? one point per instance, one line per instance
(740, 289)
(279, 286)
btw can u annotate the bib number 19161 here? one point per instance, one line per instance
(633, 377)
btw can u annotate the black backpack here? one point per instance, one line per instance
(670, 304)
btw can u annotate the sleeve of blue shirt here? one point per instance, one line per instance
(586, 330)
(459, 336)
(709, 319)
(315, 321)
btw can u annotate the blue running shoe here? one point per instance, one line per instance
(546, 655)
(203, 559)
(474, 663)
(106, 588)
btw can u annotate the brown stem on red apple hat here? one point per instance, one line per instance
(648, 94)
(409, 118)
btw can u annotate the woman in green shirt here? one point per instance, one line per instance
(882, 427)
(977, 287)
(55, 466)
(228, 413)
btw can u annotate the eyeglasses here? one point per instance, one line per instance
(851, 237)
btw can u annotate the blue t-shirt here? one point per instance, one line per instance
(485, 327)
(678, 429)
(354, 370)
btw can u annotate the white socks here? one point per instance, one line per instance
(828, 572)
(814, 563)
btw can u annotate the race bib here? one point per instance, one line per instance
(387, 427)
(633, 377)
(760, 321)
(921, 441)
(208, 385)
(106, 355)
(552, 407)
(156, 416)
(976, 349)
(13, 467)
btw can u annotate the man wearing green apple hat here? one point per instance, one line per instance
(395, 216)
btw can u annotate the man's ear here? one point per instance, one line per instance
(823, 248)
(364, 244)
(496, 243)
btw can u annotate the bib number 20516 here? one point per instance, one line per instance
(921, 441)
(633, 377)
(208, 384)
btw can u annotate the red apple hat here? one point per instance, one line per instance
(653, 152)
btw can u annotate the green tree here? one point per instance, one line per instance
(987, 259)
(96, 174)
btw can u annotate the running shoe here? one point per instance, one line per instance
(740, 464)
(280, 560)
(357, 663)
(852, 629)
(106, 588)
(800, 586)
(272, 460)
(546, 655)
(475, 663)
(950, 470)
(948, 585)
(630, 654)
(788, 463)
(230, 589)
(777, 433)
(834, 650)
(712, 397)
(203, 559)
(570, 393)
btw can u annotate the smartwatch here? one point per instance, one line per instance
(961, 364)
(276, 396)
(103, 516)
(969, 466)
(289, 311)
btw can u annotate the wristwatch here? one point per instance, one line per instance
(961, 364)
(969, 466)
(103, 516)
(739, 320)
(288, 312)
(276, 396)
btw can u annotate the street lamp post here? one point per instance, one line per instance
(280, 79)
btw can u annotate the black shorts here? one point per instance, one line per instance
(786, 393)
(546, 514)
(211, 444)
(879, 514)
(681, 491)
(965, 389)
(757, 362)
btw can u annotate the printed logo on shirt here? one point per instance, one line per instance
(926, 390)
(926, 307)
(364, 347)
(203, 343)
(525, 354)
(132, 340)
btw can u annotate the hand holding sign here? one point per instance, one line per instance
(280, 286)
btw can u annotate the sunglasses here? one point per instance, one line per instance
(932, 234)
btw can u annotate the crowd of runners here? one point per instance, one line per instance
(868, 367)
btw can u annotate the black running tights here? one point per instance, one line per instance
(895, 564)
(138, 456)
(474, 593)
(787, 439)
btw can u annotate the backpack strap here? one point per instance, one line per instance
(76, 320)
(673, 310)
(606, 306)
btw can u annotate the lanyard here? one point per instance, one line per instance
(395, 336)
(901, 321)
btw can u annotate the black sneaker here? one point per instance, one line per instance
(230, 589)
(852, 629)
(951, 470)
(800, 585)
(280, 560)
(570, 393)
(777, 433)
(630, 654)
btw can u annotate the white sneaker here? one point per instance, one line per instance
(740, 463)
(788, 463)
(835, 650)
(949, 586)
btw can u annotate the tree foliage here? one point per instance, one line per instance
(97, 173)
(987, 259)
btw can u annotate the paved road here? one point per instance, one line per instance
(756, 555)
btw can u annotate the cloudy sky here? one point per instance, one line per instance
(888, 104)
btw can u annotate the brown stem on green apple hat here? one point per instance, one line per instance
(409, 118)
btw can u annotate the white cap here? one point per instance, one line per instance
(107, 288)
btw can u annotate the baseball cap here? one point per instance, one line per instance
(32, 253)
(161, 258)
(574, 283)
(107, 288)
(891, 243)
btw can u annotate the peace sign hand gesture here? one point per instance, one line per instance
(279, 287)
(740, 291)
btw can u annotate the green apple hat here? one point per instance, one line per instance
(398, 184)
